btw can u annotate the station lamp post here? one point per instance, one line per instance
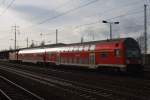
(110, 24)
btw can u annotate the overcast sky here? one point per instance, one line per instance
(73, 19)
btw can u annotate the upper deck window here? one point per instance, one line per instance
(76, 48)
(66, 49)
(70, 49)
(80, 48)
(92, 47)
(117, 52)
(62, 49)
(103, 54)
(130, 53)
(86, 48)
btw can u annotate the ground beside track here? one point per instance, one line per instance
(133, 85)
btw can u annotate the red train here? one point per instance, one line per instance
(123, 54)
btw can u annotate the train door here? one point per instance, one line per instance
(57, 59)
(117, 56)
(44, 57)
(92, 60)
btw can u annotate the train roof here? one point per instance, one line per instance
(90, 45)
(104, 41)
(73, 44)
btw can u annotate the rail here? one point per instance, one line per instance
(80, 89)
(11, 90)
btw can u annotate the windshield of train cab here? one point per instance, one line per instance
(133, 53)
(132, 49)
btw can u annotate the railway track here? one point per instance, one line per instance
(70, 88)
(48, 71)
(11, 91)
(76, 88)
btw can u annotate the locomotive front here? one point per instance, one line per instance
(133, 56)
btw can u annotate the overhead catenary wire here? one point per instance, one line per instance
(2, 2)
(58, 7)
(69, 11)
(119, 16)
(4, 11)
(122, 15)
(127, 14)
(63, 13)
(66, 12)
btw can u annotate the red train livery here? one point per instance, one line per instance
(123, 54)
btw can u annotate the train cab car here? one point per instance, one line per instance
(133, 56)
(123, 54)
(110, 54)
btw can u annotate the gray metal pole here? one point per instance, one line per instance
(27, 42)
(15, 38)
(56, 36)
(145, 27)
(145, 33)
(15, 33)
(110, 31)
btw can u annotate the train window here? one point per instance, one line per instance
(70, 60)
(76, 48)
(117, 52)
(66, 49)
(73, 49)
(61, 59)
(64, 59)
(92, 47)
(103, 54)
(74, 60)
(85, 60)
(57, 49)
(80, 60)
(49, 53)
(61, 49)
(70, 49)
(80, 48)
(77, 60)
(132, 52)
(86, 48)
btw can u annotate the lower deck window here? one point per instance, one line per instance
(103, 54)
(80, 60)
(86, 61)
(117, 52)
